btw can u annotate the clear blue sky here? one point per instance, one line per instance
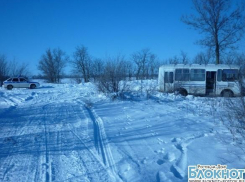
(106, 27)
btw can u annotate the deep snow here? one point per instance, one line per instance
(72, 132)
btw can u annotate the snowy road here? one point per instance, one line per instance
(73, 133)
(51, 141)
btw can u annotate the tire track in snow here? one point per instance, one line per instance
(16, 148)
(91, 159)
(97, 136)
(47, 161)
(9, 167)
(13, 139)
(49, 173)
(101, 142)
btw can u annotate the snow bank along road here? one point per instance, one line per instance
(72, 133)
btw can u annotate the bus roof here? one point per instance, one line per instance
(200, 66)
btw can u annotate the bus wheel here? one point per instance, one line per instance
(227, 93)
(183, 92)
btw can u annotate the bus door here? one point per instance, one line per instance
(168, 81)
(210, 82)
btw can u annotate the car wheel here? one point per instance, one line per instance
(9, 87)
(32, 86)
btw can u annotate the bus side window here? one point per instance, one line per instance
(178, 75)
(219, 77)
(197, 75)
(171, 77)
(168, 77)
(182, 75)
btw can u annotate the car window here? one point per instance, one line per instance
(22, 80)
(9, 79)
(15, 80)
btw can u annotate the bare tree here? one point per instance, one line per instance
(143, 60)
(113, 74)
(221, 22)
(129, 71)
(240, 60)
(184, 57)
(82, 63)
(4, 69)
(234, 117)
(153, 66)
(140, 59)
(18, 69)
(174, 60)
(98, 68)
(235, 58)
(203, 58)
(12, 68)
(52, 64)
(181, 59)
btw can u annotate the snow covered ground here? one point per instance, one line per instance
(71, 132)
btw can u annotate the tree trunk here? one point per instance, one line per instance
(217, 56)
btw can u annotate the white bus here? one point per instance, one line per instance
(210, 79)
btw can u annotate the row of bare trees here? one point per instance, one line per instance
(207, 58)
(11, 68)
(142, 65)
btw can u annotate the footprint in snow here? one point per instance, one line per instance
(144, 161)
(160, 162)
(148, 126)
(176, 139)
(161, 151)
(170, 157)
(160, 141)
(154, 134)
(28, 98)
